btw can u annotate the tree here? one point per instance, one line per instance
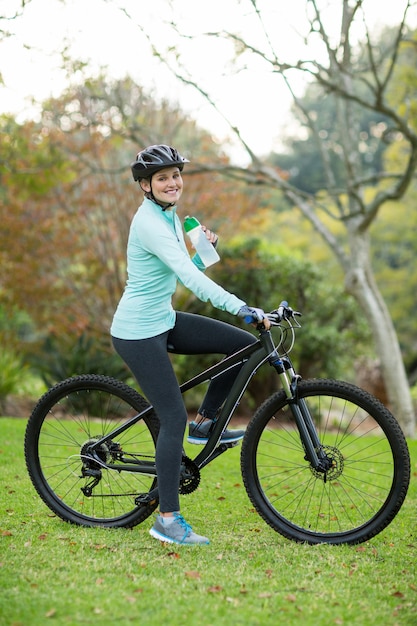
(357, 77)
(67, 198)
(302, 157)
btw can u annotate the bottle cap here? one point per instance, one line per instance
(190, 223)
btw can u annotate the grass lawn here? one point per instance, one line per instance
(52, 572)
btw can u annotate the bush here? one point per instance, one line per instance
(61, 358)
(12, 370)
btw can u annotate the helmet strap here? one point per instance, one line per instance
(150, 196)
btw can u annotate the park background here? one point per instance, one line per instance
(299, 123)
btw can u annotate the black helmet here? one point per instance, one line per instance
(155, 158)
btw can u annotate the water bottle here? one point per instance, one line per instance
(205, 250)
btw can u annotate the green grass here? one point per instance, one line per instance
(53, 572)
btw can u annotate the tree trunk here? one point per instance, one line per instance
(360, 283)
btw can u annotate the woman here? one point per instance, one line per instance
(146, 327)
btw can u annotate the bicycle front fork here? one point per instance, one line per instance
(314, 452)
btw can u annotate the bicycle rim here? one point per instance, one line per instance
(366, 485)
(66, 420)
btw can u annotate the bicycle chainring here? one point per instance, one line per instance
(190, 476)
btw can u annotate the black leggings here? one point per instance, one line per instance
(150, 363)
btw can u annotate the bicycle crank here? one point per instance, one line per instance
(190, 476)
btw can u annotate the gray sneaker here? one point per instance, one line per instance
(175, 531)
(199, 433)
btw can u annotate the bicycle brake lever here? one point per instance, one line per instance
(283, 312)
(274, 318)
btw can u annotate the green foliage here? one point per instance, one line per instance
(394, 252)
(60, 358)
(404, 92)
(325, 134)
(248, 575)
(14, 327)
(303, 157)
(11, 373)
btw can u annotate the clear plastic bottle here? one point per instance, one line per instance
(205, 250)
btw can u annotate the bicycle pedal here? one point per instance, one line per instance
(225, 446)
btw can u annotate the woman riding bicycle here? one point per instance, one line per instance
(146, 328)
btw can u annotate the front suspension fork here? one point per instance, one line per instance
(314, 452)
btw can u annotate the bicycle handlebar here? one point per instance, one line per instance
(283, 312)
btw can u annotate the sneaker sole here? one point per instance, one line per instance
(202, 442)
(165, 539)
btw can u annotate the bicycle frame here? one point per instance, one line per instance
(252, 357)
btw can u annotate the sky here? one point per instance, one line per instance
(100, 33)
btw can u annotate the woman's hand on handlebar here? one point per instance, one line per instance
(253, 315)
(258, 318)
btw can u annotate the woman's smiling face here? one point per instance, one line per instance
(166, 185)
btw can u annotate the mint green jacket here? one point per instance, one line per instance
(157, 258)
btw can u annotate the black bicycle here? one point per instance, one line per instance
(323, 461)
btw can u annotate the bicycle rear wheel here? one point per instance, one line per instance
(66, 421)
(363, 490)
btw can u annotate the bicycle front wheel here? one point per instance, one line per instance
(366, 484)
(67, 420)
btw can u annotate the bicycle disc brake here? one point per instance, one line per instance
(336, 464)
(190, 476)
